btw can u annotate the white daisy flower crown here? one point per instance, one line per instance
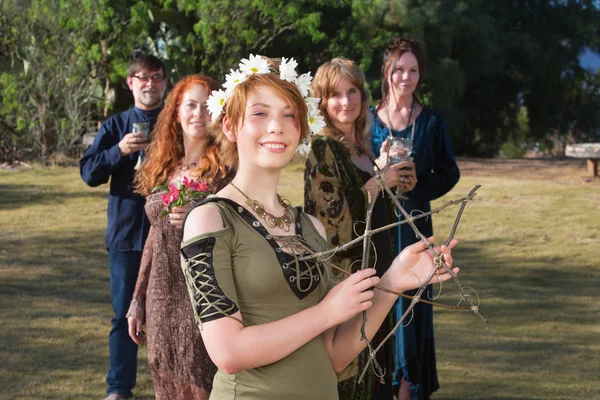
(287, 71)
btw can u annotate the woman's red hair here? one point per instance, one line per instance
(166, 149)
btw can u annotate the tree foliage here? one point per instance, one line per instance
(489, 63)
(58, 54)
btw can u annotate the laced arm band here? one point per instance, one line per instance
(209, 301)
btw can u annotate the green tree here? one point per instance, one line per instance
(488, 59)
(212, 36)
(64, 55)
(489, 63)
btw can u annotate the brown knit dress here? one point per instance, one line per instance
(181, 368)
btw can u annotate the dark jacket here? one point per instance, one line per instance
(127, 223)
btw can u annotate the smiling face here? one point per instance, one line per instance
(404, 76)
(193, 115)
(344, 105)
(270, 132)
(147, 95)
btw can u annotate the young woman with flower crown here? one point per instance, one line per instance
(181, 150)
(271, 322)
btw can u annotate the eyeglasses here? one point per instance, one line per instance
(155, 78)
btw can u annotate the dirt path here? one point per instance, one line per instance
(559, 170)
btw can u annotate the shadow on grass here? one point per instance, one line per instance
(69, 354)
(540, 312)
(65, 266)
(66, 277)
(20, 196)
(56, 305)
(528, 284)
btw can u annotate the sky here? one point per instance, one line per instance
(590, 60)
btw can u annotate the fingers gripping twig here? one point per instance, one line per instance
(439, 263)
(416, 298)
(384, 289)
(438, 260)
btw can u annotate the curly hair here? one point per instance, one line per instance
(235, 108)
(324, 84)
(392, 54)
(166, 149)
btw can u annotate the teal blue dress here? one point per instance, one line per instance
(437, 173)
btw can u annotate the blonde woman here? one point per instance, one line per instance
(338, 179)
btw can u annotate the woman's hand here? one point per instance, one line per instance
(177, 215)
(349, 297)
(397, 175)
(136, 332)
(394, 176)
(401, 174)
(407, 179)
(411, 268)
(383, 155)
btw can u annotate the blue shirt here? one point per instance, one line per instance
(127, 223)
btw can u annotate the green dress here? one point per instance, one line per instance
(334, 194)
(242, 267)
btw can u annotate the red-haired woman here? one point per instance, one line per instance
(181, 148)
(269, 319)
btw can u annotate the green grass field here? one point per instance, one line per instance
(528, 245)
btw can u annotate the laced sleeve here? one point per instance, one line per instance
(207, 267)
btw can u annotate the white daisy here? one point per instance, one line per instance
(316, 122)
(233, 79)
(303, 148)
(287, 69)
(254, 65)
(215, 103)
(312, 103)
(303, 83)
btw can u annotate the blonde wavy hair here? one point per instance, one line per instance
(324, 85)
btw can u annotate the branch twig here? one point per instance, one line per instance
(438, 260)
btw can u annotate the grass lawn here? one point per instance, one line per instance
(529, 246)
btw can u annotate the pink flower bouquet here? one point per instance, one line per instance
(182, 194)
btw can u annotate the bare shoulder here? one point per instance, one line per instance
(318, 225)
(201, 220)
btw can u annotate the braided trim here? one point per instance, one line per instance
(208, 299)
(303, 276)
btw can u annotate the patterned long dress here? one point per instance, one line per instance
(333, 193)
(181, 368)
(437, 173)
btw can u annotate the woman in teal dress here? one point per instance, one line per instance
(400, 114)
(337, 180)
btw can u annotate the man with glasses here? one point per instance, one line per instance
(113, 156)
